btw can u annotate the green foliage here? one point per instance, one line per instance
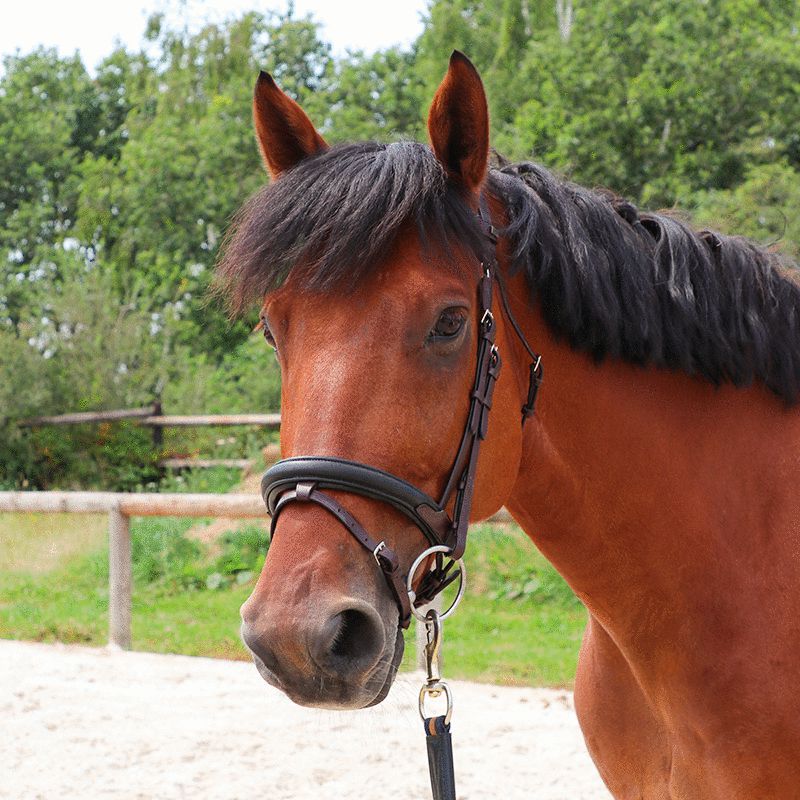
(93, 352)
(161, 553)
(515, 570)
(116, 190)
(386, 85)
(658, 100)
(155, 216)
(764, 207)
(88, 352)
(245, 379)
(116, 457)
(243, 556)
(165, 557)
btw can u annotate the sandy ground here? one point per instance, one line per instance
(90, 723)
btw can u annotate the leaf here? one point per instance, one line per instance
(214, 581)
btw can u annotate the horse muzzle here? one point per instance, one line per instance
(339, 655)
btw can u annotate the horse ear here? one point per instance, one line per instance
(285, 134)
(458, 123)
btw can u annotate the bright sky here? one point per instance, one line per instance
(92, 26)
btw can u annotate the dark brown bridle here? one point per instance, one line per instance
(302, 479)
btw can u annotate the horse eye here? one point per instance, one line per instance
(270, 339)
(449, 324)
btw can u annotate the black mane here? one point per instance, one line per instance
(612, 282)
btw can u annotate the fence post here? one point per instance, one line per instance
(120, 580)
(158, 431)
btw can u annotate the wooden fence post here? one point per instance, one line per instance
(158, 431)
(120, 579)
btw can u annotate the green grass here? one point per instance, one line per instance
(519, 623)
(40, 542)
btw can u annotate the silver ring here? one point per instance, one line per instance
(434, 690)
(462, 580)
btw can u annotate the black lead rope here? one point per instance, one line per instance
(437, 729)
(440, 758)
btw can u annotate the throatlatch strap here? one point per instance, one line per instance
(536, 370)
(440, 758)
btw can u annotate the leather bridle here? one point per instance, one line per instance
(304, 479)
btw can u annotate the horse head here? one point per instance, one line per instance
(368, 259)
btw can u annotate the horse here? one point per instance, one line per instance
(658, 472)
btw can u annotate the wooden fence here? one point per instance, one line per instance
(120, 507)
(153, 417)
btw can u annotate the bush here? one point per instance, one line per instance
(91, 353)
(88, 352)
(162, 553)
(242, 557)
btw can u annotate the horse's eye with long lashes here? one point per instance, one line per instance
(449, 324)
(270, 339)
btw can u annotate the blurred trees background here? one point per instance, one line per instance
(116, 187)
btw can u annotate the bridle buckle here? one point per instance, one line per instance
(377, 551)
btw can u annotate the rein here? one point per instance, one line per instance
(303, 479)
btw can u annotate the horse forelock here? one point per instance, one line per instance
(335, 215)
(613, 282)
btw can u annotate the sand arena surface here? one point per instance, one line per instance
(92, 723)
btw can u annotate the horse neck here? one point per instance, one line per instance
(634, 480)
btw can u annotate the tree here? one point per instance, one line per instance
(658, 100)
(762, 207)
(46, 124)
(369, 97)
(154, 217)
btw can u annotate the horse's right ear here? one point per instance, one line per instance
(458, 124)
(285, 134)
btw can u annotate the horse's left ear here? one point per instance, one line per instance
(285, 134)
(458, 123)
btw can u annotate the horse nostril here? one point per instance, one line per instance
(258, 645)
(351, 641)
(354, 628)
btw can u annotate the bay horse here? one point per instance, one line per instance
(660, 472)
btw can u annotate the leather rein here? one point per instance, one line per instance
(305, 479)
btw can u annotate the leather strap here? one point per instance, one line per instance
(440, 758)
(536, 374)
(327, 472)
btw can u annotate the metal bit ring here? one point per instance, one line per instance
(462, 580)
